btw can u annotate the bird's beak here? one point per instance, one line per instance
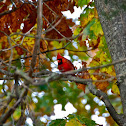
(58, 61)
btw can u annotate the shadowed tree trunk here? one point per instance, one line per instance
(112, 15)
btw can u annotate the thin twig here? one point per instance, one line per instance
(10, 11)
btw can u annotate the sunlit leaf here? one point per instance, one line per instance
(115, 89)
(97, 28)
(81, 3)
(73, 122)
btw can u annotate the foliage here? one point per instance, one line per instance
(84, 42)
(73, 120)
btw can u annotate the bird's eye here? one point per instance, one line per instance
(59, 61)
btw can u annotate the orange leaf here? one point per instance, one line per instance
(102, 85)
(19, 50)
(81, 86)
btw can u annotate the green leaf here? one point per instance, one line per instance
(17, 113)
(96, 27)
(77, 31)
(71, 116)
(57, 44)
(17, 63)
(73, 122)
(43, 87)
(57, 122)
(86, 31)
(92, 35)
(85, 121)
(81, 119)
(81, 3)
(92, 4)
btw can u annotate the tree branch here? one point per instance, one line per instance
(37, 41)
(5, 116)
(33, 62)
(10, 11)
(103, 96)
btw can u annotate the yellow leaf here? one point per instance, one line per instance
(87, 19)
(17, 114)
(73, 122)
(93, 78)
(102, 57)
(104, 70)
(115, 89)
(95, 13)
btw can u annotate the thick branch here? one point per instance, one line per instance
(103, 96)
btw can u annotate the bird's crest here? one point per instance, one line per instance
(59, 56)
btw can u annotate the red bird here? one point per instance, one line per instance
(64, 64)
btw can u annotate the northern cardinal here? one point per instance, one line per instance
(64, 64)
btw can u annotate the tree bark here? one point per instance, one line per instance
(112, 15)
